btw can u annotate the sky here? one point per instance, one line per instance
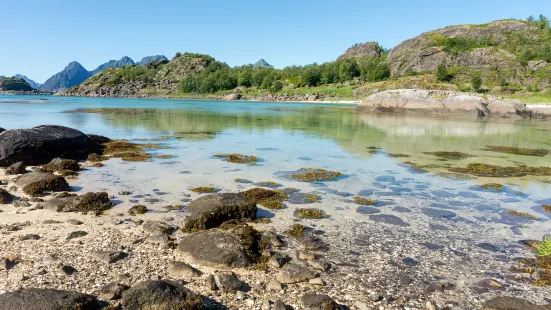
(40, 37)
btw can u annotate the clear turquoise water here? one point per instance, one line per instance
(288, 136)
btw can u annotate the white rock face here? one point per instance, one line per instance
(417, 101)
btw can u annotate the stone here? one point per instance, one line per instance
(231, 97)
(5, 197)
(7, 264)
(317, 281)
(227, 282)
(314, 301)
(361, 50)
(212, 210)
(109, 256)
(293, 273)
(279, 305)
(160, 294)
(222, 248)
(47, 299)
(211, 283)
(278, 260)
(156, 227)
(36, 183)
(89, 202)
(39, 145)
(67, 270)
(112, 291)
(74, 222)
(274, 286)
(76, 234)
(59, 164)
(16, 168)
(29, 237)
(319, 265)
(510, 303)
(182, 270)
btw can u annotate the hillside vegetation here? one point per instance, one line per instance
(14, 84)
(507, 57)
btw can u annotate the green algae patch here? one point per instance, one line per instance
(397, 155)
(308, 213)
(262, 220)
(173, 207)
(94, 202)
(296, 231)
(95, 158)
(164, 156)
(315, 174)
(517, 150)
(311, 197)
(546, 208)
(126, 151)
(521, 214)
(544, 250)
(238, 158)
(449, 155)
(270, 184)
(363, 201)
(137, 209)
(495, 187)
(271, 199)
(204, 189)
(416, 167)
(486, 170)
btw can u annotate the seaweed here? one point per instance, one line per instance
(271, 199)
(544, 250)
(164, 156)
(308, 213)
(262, 220)
(272, 203)
(238, 158)
(546, 207)
(363, 201)
(449, 155)
(61, 165)
(129, 151)
(173, 207)
(270, 184)
(94, 202)
(517, 150)
(486, 170)
(204, 189)
(397, 155)
(315, 174)
(495, 187)
(417, 167)
(54, 184)
(137, 209)
(296, 231)
(521, 214)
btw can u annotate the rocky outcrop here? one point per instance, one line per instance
(362, 49)
(41, 144)
(425, 52)
(156, 295)
(47, 299)
(443, 102)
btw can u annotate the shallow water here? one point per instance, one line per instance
(370, 150)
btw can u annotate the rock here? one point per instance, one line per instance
(319, 265)
(76, 234)
(5, 197)
(227, 282)
(212, 210)
(17, 168)
(536, 64)
(29, 237)
(36, 183)
(278, 260)
(47, 299)
(316, 281)
(2, 129)
(112, 291)
(293, 273)
(156, 227)
(361, 50)
(314, 301)
(109, 256)
(7, 264)
(60, 164)
(89, 202)
(222, 248)
(313, 97)
(232, 97)
(274, 286)
(156, 295)
(211, 283)
(183, 270)
(430, 306)
(279, 305)
(39, 145)
(67, 270)
(74, 222)
(510, 303)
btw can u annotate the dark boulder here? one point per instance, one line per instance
(314, 301)
(60, 164)
(47, 299)
(2, 129)
(36, 183)
(236, 247)
(5, 197)
(17, 168)
(155, 295)
(212, 210)
(89, 202)
(39, 145)
(510, 303)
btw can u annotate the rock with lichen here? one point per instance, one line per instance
(36, 183)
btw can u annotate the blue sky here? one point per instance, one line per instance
(40, 37)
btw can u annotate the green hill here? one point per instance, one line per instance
(14, 84)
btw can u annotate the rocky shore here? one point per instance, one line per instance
(413, 101)
(25, 93)
(64, 247)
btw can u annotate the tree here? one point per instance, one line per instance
(276, 86)
(442, 73)
(373, 69)
(245, 78)
(311, 76)
(531, 19)
(348, 69)
(476, 81)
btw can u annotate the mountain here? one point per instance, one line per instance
(148, 59)
(33, 84)
(125, 61)
(261, 64)
(363, 49)
(14, 84)
(72, 75)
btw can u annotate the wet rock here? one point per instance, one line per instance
(109, 256)
(17, 168)
(47, 299)
(155, 295)
(488, 247)
(36, 183)
(112, 291)
(388, 219)
(76, 234)
(367, 210)
(511, 303)
(211, 211)
(314, 301)
(183, 270)
(235, 247)
(293, 273)
(227, 282)
(401, 209)
(5, 197)
(156, 227)
(39, 145)
(408, 261)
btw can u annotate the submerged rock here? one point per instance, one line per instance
(156, 295)
(212, 210)
(36, 183)
(47, 299)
